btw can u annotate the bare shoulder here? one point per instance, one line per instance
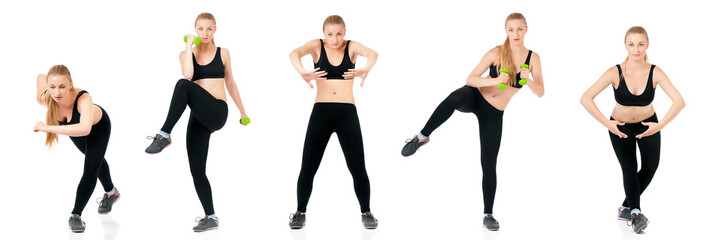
(535, 57)
(224, 52)
(355, 44)
(492, 56)
(659, 74)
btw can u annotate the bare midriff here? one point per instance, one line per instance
(335, 90)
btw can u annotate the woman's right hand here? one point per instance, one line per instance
(502, 78)
(190, 40)
(612, 126)
(314, 74)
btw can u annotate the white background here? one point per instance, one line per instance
(558, 177)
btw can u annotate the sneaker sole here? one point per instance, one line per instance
(490, 229)
(623, 219)
(297, 227)
(76, 231)
(113, 204)
(212, 228)
(160, 149)
(641, 229)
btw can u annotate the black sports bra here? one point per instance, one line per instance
(214, 69)
(626, 98)
(75, 113)
(335, 72)
(493, 71)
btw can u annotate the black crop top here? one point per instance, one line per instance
(75, 113)
(335, 72)
(493, 71)
(626, 98)
(214, 69)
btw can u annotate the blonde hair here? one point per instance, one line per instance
(505, 53)
(333, 19)
(632, 30)
(51, 116)
(208, 16)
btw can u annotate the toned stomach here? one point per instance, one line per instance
(335, 91)
(498, 98)
(632, 114)
(215, 86)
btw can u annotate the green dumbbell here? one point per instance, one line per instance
(523, 82)
(197, 40)
(502, 85)
(245, 120)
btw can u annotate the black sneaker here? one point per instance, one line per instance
(639, 222)
(490, 223)
(205, 223)
(158, 143)
(76, 224)
(297, 220)
(412, 145)
(369, 221)
(624, 215)
(106, 202)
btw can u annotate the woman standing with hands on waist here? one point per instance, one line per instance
(633, 121)
(334, 111)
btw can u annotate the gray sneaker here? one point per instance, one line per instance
(490, 223)
(369, 221)
(297, 220)
(639, 222)
(106, 202)
(158, 143)
(205, 223)
(412, 145)
(624, 215)
(76, 224)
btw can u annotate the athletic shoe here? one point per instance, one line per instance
(639, 222)
(297, 220)
(158, 143)
(205, 223)
(76, 224)
(412, 145)
(106, 202)
(490, 223)
(369, 221)
(624, 215)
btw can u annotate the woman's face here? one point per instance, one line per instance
(334, 35)
(515, 29)
(59, 87)
(205, 29)
(636, 45)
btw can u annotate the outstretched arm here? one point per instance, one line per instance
(366, 52)
(230, 83)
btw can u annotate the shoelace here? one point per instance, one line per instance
(408, 140)
(201, 220)
(491, 219)
(157, 137)
(370, 216)
(78, 220)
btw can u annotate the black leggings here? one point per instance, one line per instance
(469, 99)
(93, 146)
(626, 150)
(325, 119)
(207, 115)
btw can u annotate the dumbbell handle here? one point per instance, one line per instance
(196, 41)
(523, 81)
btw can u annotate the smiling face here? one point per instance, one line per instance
(205, 29)
(334, 35)
(515, 29)
(59, 87)
(636, 44)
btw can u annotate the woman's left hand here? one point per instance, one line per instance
(39, 127)
(359, 72)
(524, 73)
(653, 128)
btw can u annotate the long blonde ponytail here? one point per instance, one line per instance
(51, 116)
